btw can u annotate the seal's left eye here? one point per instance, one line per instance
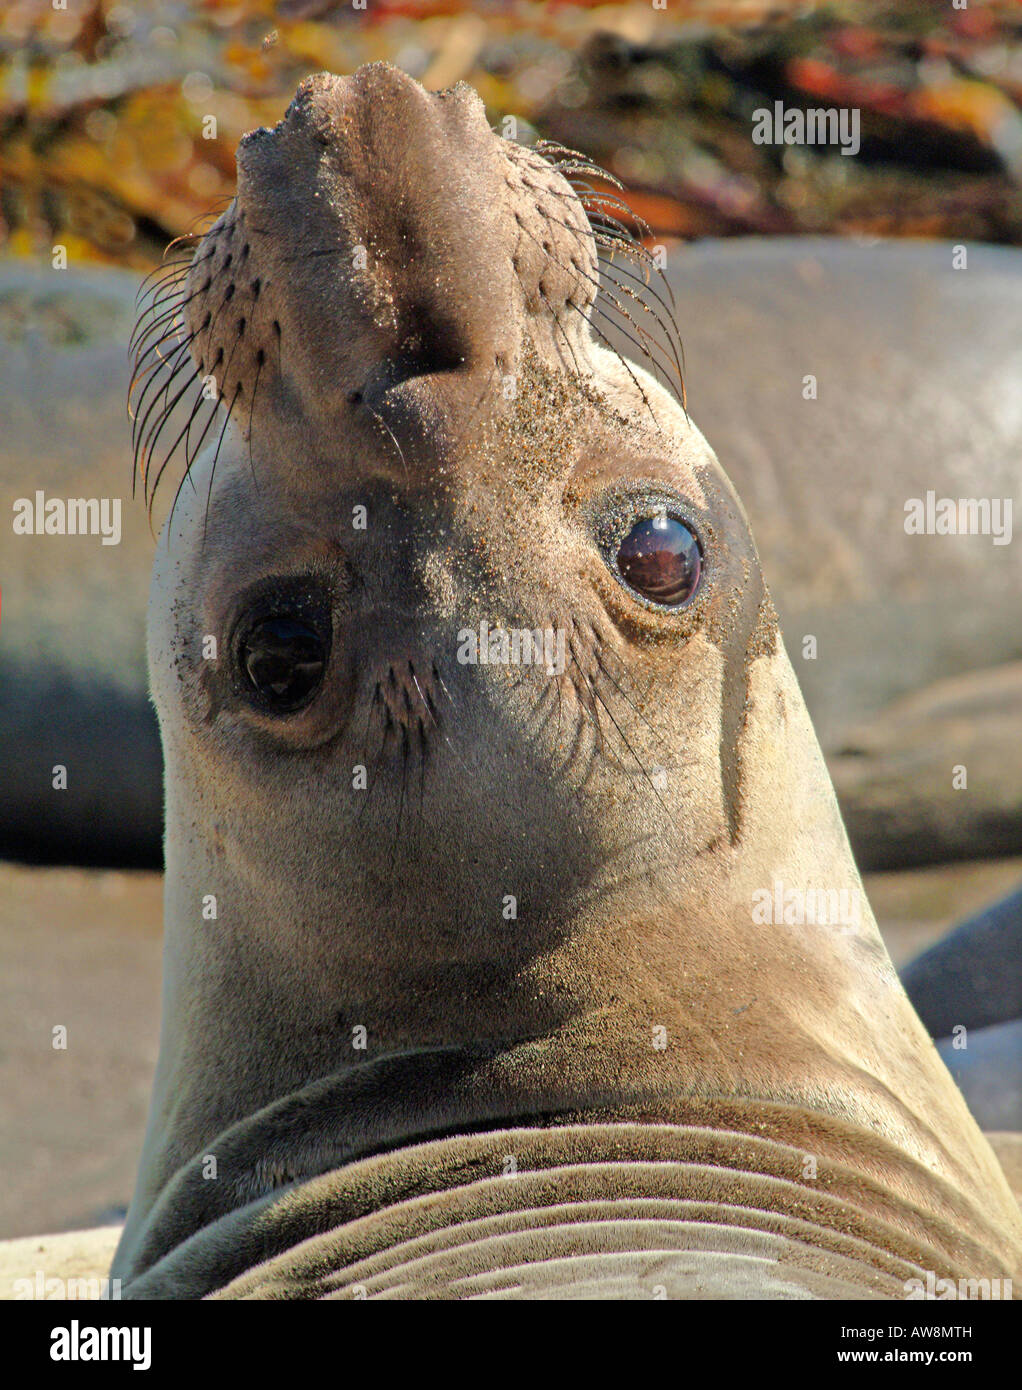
(283, 659)
(661, 561)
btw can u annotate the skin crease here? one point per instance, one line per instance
(385, 907)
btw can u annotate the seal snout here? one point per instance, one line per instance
(383, 235)
(428, 342)
(370, 228)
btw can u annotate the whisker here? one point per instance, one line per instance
(184, 430)
(382, 421)
(142, 443)
(374, 778)
(621, 734)
(182, 363)
(187, 474)
(212, 471)
(663, 321)
(596, 329)
(635, 710)
(594, 713)
(260, 359)
(137, 339)
(401, 798)
(623, 360)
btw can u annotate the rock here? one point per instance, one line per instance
(937, 775)
(988, 1074)
(972, 976)
(73, 686)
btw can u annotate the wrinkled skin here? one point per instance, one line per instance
(396, 265)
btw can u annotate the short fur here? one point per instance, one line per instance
(388, 267)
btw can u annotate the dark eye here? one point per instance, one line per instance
(283, 660)
(660, 559)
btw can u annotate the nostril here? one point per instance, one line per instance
(429, 343)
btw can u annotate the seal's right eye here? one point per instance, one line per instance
(284, 660)
(282, 647)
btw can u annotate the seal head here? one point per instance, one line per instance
(423, 874)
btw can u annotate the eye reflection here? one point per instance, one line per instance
(283, 659)
(661, 561)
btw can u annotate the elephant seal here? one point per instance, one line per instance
(882, 327)
(987, 1072)
(495, 966)
(73, 690)
(967, 990)
(972, 976)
